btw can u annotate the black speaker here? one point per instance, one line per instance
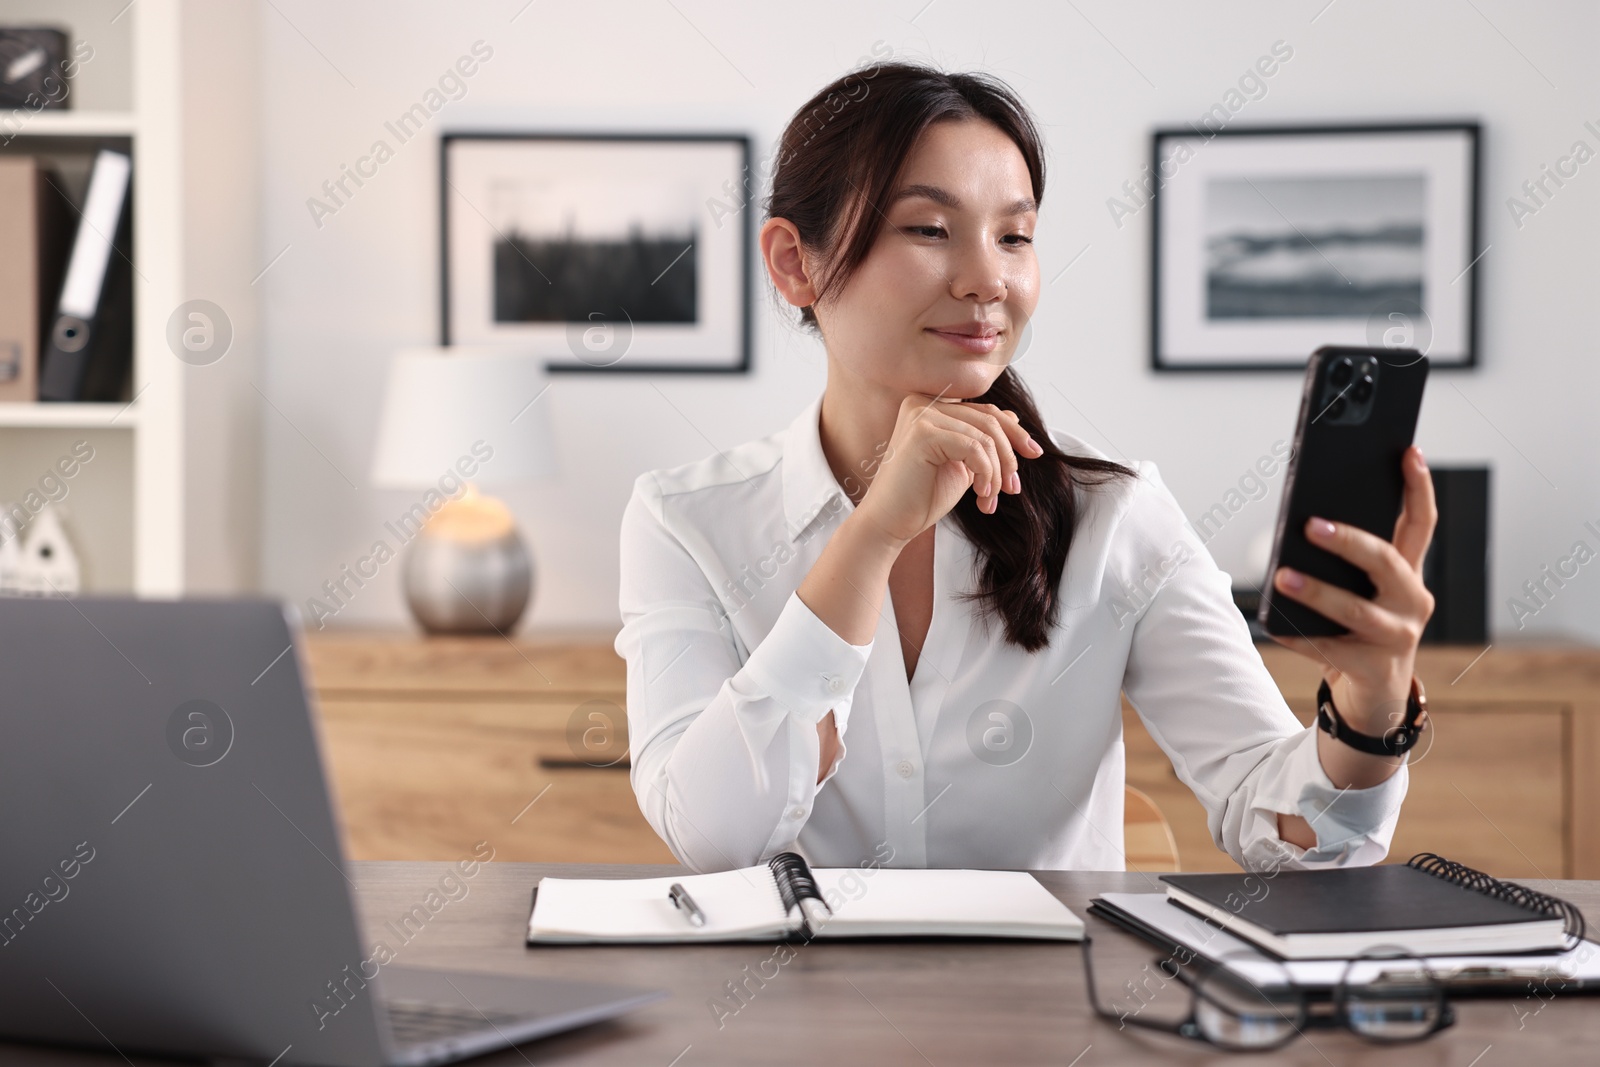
(1456, 568)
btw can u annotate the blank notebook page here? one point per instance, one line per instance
(736, 904)
(906, 901)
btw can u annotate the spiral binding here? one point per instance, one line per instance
(795, 882)
(1511, 892)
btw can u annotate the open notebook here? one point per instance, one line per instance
(787, 898)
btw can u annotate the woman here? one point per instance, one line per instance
(778, 699)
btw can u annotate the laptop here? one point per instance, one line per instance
(171, 874)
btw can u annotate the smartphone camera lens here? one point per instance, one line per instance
(1363, 389)
(1341, 371)
(1336, 408)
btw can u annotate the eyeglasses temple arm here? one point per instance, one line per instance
(1123, 1018)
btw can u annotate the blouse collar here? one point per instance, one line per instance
(808, 481)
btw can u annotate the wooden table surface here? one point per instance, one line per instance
(911, 1002)
(888, 1002)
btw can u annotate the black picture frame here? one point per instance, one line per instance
(738, 196)
(1464, 323)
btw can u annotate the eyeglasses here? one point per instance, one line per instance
(1386, 996)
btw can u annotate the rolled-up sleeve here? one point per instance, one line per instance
(724, 746)
(1202, 690)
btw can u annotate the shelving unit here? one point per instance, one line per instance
(70, 416)
(23, 123)
(170, 507)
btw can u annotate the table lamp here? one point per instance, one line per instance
(454, 418)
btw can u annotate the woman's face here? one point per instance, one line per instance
(939, 303)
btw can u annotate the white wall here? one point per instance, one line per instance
(344, 296)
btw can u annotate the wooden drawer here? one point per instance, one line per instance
(435, 744)
(1490, 792)
(407, 666)
(427, 780)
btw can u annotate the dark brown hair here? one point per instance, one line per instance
(838, 161)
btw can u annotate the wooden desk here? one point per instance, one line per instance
(911, 1002)
(435, 743)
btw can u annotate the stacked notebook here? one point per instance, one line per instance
(1184, 936)
(1427, 906)
(786, 898)
(1474, 932)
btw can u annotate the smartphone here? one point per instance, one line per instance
(1358, 414)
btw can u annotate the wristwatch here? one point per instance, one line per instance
(1396, 741)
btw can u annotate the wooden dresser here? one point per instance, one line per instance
(437, 743)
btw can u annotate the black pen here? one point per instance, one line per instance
(684, 902)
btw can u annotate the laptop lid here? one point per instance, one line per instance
(172, 880)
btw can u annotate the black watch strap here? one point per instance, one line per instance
(1396, 741)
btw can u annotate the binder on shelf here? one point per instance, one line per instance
(35, 224)
(89, 347)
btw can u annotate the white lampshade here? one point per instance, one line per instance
(440, 402)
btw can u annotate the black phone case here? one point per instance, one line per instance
(1347, 473)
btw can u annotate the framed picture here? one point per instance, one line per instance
(1270, 242)
(603, 252)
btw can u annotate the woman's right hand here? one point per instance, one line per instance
(939, 449)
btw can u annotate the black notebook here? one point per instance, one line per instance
(1428, 906)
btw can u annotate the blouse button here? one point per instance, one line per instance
(835, 684)
(905, 768)
(797, 813)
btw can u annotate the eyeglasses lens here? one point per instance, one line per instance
(1400, 1005)
(1239, 1013)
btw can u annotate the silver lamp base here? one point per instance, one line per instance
(461, 587)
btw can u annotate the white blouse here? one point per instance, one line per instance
(991, 757)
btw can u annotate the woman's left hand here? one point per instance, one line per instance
(1370, 668)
